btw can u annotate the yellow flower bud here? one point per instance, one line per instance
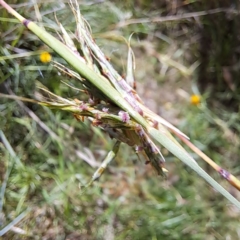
(195, 99)
(45, 57)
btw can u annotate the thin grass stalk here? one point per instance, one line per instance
(224, 173)
(110, 156)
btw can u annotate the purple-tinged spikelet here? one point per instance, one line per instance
(83, 106)
(139, 149)
(105, 110)
(225, 174)
(91, 101)
(155, 124)
(98, 116)
(124, 116)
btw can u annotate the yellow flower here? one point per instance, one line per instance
(45, 57)
(195, 99)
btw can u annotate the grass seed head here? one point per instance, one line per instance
(124, 116)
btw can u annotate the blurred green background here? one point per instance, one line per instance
(46, 156)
